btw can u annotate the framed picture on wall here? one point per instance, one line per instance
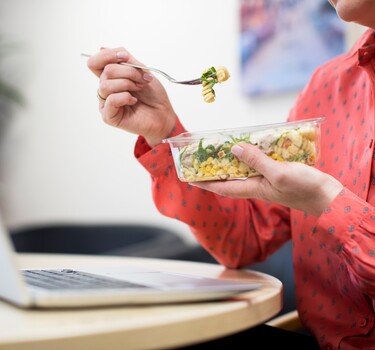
(283, 41)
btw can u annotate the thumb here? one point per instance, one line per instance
(254, 158)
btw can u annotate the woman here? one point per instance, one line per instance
(328, 211)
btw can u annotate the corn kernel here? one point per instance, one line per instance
(232, 170)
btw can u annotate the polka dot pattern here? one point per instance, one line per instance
(333, 255)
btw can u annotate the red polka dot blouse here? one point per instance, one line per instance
(334, 254)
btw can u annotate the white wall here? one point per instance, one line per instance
(60, 162)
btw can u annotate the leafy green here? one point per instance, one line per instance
(221, 151)
(202, 153)
(209, 76)
(299, 158)
(9, 94)
(245, 138)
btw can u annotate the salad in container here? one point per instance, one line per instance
(207, 156)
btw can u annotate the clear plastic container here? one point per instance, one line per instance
(207, 156)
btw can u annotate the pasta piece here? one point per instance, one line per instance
(222, 74)
(210, 77)
(208, 92)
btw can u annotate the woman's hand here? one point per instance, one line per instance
(130, 98)
(291, 184)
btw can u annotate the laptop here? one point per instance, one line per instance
(70, 287)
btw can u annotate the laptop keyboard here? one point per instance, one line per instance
(72, 279)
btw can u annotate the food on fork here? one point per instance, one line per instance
(210, 77)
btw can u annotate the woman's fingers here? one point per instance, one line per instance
(97, 62)
(105, 56)
(255, 159)
(291, 184)
(114, 103)
(236, 189)
(108, 87)
(253, 187)
(116, 78)
(120, 71)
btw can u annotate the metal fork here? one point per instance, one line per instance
(197, 81)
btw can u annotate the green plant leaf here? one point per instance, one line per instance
(9, 93)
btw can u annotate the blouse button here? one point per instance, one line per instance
(362, 322)
(328, 347)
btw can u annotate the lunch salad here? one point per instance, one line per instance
(209, 159)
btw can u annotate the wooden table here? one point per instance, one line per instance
(140, 327)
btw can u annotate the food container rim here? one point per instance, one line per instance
(195, 135)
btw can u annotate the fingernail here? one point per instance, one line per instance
(147, 77)
(237, 150)
(122, 54)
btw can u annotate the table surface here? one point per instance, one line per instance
(137, 327)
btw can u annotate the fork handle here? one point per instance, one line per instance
(165, 75)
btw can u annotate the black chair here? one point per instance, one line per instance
(102, 239)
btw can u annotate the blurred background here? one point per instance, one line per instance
(59, 163)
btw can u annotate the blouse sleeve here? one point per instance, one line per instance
(352, 237)
(236, 232)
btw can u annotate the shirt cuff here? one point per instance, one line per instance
(157, 160)
(346, 216)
